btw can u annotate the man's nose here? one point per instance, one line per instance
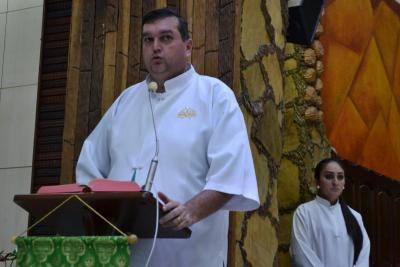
(156, 45)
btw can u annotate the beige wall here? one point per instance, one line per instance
(20, 32)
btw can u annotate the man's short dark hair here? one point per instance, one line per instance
(162, 13)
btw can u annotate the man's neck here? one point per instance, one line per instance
(161, 88)
(160, 82)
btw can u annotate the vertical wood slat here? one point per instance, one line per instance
(187, 11)
(161, 3)
(396, 233)
(110, 48)
(211, 38)
(71, 104)
(236, 48)
(96, 87)
(122, 47)
(384, 229)
(365, 202)
(199, 35)
(234, 219)
(82, 114)
(226, 41)
(134, 53)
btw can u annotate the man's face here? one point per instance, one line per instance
(164, 52)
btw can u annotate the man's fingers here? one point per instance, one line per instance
(181, 223)
(174, 222)
(170, 206)
(175, 216)
(172, 209)
(163, 197)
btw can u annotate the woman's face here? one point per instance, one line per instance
(331, 182)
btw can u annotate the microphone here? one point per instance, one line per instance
(152, 86)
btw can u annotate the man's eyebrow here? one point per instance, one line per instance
(161, 32)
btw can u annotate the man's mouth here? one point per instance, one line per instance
(156, 59)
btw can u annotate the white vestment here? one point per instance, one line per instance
(203, 145)
(320, 238)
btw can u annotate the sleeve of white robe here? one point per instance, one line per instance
(302, 253)
(363, 258)
(231, 165)
(94, 159)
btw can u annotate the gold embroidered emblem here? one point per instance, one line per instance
(186, 113)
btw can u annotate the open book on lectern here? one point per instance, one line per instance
(95, 185)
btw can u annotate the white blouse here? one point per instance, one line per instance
(320, 238)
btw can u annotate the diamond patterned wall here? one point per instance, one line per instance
(361, 95)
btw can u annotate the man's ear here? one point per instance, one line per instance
(188, 46)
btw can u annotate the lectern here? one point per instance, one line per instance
(131, 212)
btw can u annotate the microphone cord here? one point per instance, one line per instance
(153, 166)
(155, 233)
(154, 125)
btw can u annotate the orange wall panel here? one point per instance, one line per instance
(361, 95)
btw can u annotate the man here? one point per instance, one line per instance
(193, 124)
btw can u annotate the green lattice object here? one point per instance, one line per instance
(85, 251)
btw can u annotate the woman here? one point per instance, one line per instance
(326, 232)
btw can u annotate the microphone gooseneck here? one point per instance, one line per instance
(153, 86)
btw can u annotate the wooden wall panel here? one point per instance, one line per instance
(122, 47)
(377, 198)
(211, 38)
(396, 232)
(134, 56)
(51, 93)
(199, 35)
(226, 41)
(105, 57)
(96, 86)
(98, 69)
(79, 76)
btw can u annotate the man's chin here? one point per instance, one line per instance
(158, 68)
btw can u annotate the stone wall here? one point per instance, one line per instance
(304, 138)
(279, 94)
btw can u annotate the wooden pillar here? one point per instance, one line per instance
(78, 77)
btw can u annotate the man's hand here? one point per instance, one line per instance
(179, 216)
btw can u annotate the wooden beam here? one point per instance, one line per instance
(121, 70)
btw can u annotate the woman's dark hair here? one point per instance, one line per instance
(162, 13)
(352, 226)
